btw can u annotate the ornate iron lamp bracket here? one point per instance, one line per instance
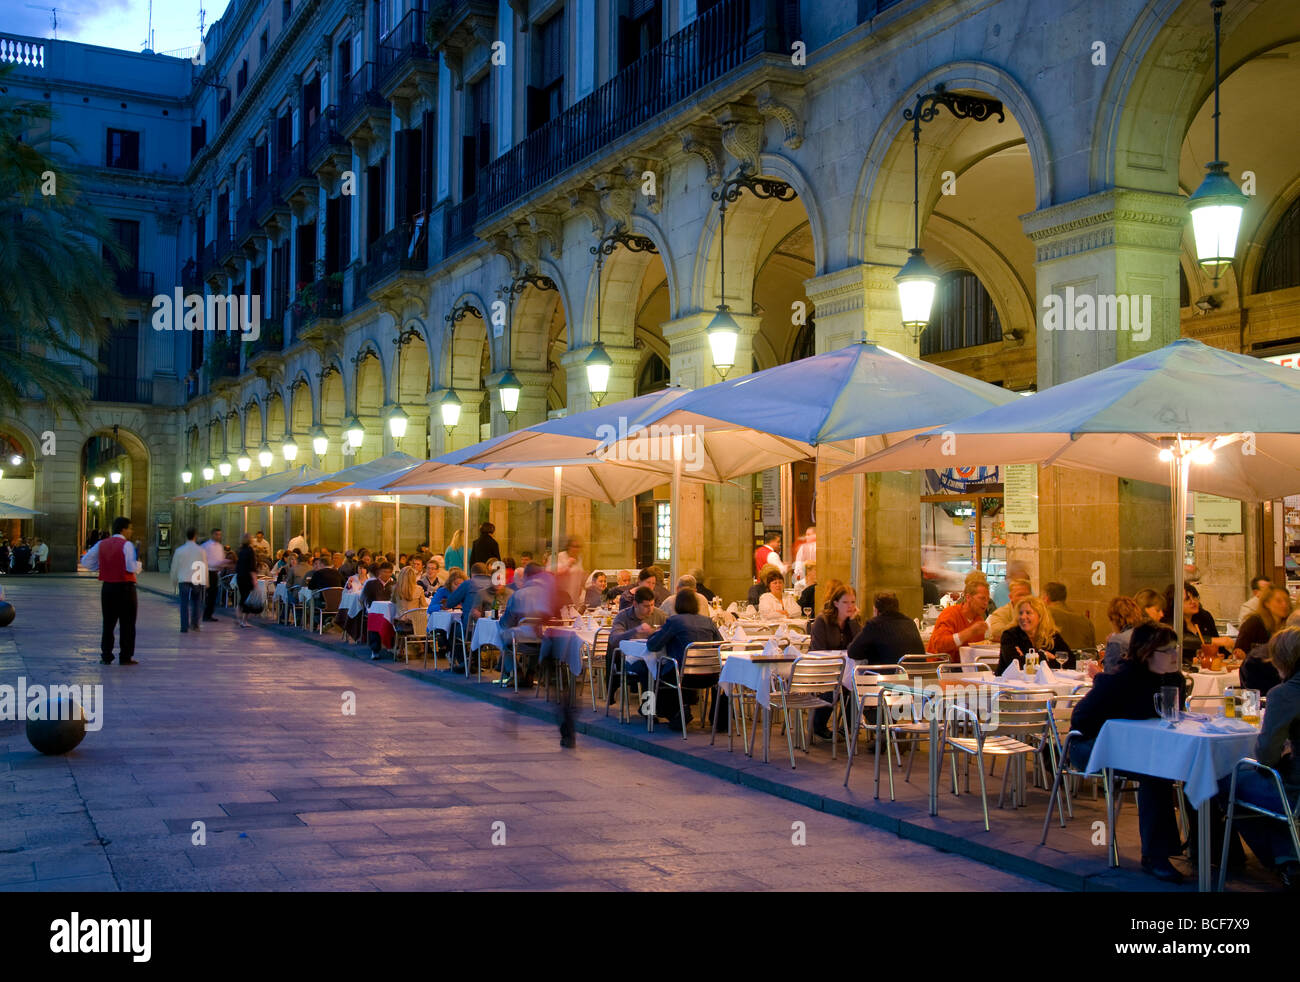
(765, 188)
(458, 313)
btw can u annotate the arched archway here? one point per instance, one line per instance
(110, 451)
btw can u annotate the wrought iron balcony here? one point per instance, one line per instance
(716, 43)
(133, 283)
(268, 205)
(269, 343)
(208, 261)
(324, 142)
(316, 302)
(403, 50)
(245, 223)
(454, 21)
(403, 248)
(460, 225)
(221, 362)
(227, 249)
(119, 388)
(361, 103)
(296, 179)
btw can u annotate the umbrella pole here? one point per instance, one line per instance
(1180, 466)
(347, 526)
(245, 518)
(304, 521)
(270, 524)
(674, 510)
(555, 522)
(859, 505)
(397, 527)
(465, 544)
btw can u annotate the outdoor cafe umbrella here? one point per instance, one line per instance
(10, 510)
(1187, 415)
(263, 491)
(566, 444)
(841, 404)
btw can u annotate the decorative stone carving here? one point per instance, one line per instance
(616, 198)
(585, 202)
(742, 134)
(634, 170)
(547, 225)
(705, 143)
(785, 103)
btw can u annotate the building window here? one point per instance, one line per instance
(223, 106)
(1280, 267)
(286, 10)
(241, 78)
(654, 376)
(123, 150)
(198, 138)
(546, 94)
(476, 147)
(262, 44)
(963, 316)
(640, 29)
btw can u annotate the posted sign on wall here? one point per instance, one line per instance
(1214, 515)
(1020, 497)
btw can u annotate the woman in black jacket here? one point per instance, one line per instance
(1034, 629)
(245, 563)
(1152, 663)
(1198, 623)
(684, 628)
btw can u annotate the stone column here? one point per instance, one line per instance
(1100, 535)
(850, 304)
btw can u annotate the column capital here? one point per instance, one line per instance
(1116, 216)
(859, 302)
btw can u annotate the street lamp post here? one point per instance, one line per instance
(598, 364)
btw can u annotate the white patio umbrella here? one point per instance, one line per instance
(10, 510)
(1187, 415)
(263, 491)
(839, 405)
(566, 446)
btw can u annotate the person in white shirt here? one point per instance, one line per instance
(216, 556)
(41, 556)
(806, 554)
(299, 543)
(569, 574)
(774, 602)
(1259, 586)
(117, 564)
(189, 575)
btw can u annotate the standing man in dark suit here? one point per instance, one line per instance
(115, 560)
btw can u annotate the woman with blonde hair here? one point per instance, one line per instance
(1124, 614)
(454, 554)
(408, 595)
(1035, 630)
(1257, 671)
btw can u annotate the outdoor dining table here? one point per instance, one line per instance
(379, 618)
(487, 631)
(1197, 751)
(350, 603)
(440, 620)
(1213, 683)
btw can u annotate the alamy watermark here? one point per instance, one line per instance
(178, 311)
(631, 443)
(51, 702)
(1092, 312)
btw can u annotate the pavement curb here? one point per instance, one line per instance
(615, 733)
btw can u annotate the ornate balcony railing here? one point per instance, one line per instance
(270, 340)
(323, 135)
(321, 299)
(360, 92)
(399, 248)
(717, 42)
(403, 45)
(24, 52)
(119, 388)
(133, 283)
(460, 225)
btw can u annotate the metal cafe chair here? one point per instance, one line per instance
(1022, 714)
(810, 679)
(1286, 814)
(737, 701)
(914, 728)
(326, 604)
(596, 655)
(404, 627)
(866, 689)
(700, 668)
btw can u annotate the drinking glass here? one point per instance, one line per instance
(1168, 703)
(1250, 705)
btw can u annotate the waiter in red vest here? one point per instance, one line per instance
(116, 561)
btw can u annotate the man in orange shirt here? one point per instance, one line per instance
(961, 623)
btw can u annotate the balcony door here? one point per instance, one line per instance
(127, 236)
(119, 354)
(476, 146)
(640, 28)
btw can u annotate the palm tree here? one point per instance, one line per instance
(57, 295)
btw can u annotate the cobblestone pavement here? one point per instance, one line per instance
(245, 732)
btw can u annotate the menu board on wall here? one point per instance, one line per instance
(1214, 515)
(772, 497)
(1020, 497)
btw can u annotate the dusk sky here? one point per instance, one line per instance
(113, 23)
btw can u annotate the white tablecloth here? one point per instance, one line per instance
(566, 645)
(385, 609)
(1212, 684)
(1188, 752)
(487, 631)
(440, 620)
(350, 604)
(969, 652)
(636, 651)
(739, 668)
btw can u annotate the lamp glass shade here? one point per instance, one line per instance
(99, 480)
(16, 460)
(115, 477)
(289, 449)
(450, 408)
(209, 472)
(354, 431)
(243, 462)
(916, 285)
(187, 476)
(598, 365)
(320, 442)
(225, 467)
(723, 333)
(510, 389)
(265, 456)
(397, 420)
(92, 497)
(1217, 207)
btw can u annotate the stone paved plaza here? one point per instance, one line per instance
(244, 730)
